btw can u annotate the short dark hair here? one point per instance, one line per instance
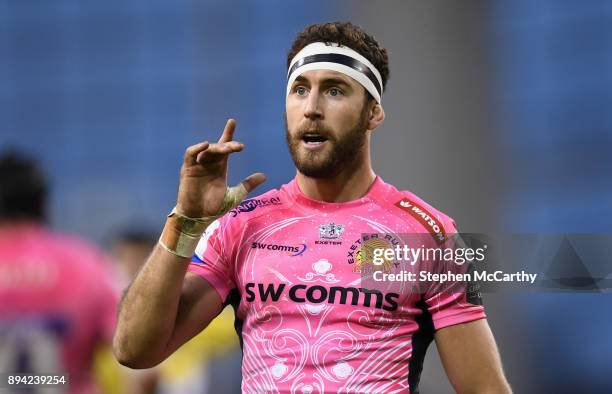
(346, 34)
(23, 188)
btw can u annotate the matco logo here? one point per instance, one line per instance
(424, 217)
(252, 203)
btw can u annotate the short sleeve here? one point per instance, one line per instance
(448, 303)
(448, 309)
(211, 260)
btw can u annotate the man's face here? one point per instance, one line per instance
(326, 122)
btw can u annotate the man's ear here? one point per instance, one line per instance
(376, 116)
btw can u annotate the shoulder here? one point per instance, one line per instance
(409, 206)
(78, 259)
(75, 249)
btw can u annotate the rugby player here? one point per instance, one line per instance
(286, 259)
(57, 293)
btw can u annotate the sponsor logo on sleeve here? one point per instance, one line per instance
(423, 216)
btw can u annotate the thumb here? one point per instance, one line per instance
(235, 194)
(253, 180)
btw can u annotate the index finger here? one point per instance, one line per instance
(228, 131)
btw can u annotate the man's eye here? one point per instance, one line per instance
(300, 90)
(335, 92)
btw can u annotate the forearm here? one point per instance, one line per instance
(164, 307)
(147, 313)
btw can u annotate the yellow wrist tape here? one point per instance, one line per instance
(181, 234)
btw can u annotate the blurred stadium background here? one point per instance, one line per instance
(498, 113)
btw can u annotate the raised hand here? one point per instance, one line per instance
(203, 180)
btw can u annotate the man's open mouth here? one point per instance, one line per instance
(313, 139)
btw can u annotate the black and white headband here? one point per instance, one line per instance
(332, 56)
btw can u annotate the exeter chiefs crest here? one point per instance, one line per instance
(330, 231)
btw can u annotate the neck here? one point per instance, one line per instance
(348, 185)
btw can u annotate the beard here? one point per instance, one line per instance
(344, 151)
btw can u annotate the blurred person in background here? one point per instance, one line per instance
(57, 294)
(130, 248)
(197, 367)
(280, 259)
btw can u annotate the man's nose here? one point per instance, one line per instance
(313, 106)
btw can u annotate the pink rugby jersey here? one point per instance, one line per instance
(292, 268)
(57, 304)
